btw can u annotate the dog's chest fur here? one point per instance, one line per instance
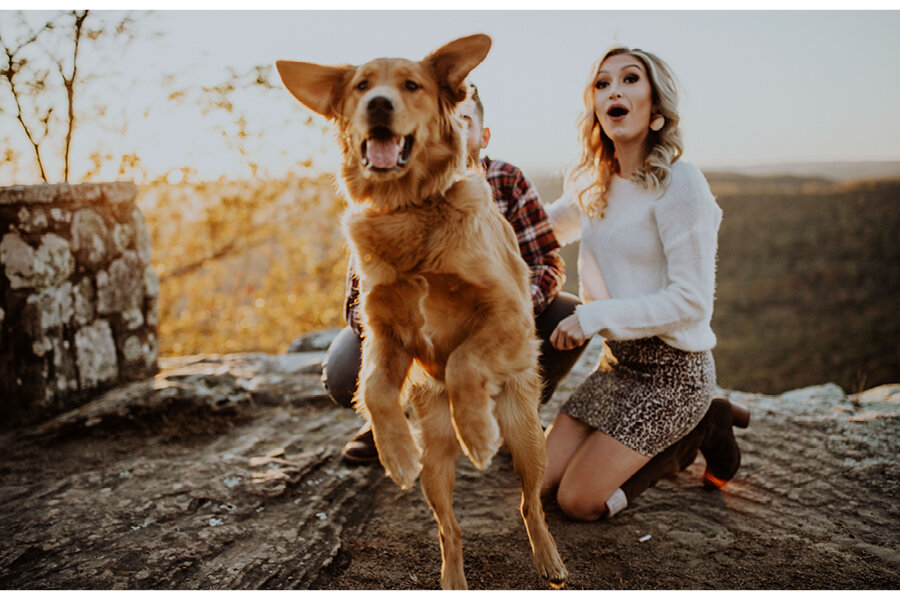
(437, 236)
(429, 265)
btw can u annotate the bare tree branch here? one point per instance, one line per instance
(36, 92)
(69, 83)
(9, 74)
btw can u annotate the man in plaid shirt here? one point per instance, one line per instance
(519, 202)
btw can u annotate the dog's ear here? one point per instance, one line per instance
(453, 62)
(317, 86)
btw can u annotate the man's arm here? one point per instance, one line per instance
(519, 200)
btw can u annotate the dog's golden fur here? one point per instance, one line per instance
(445, 294)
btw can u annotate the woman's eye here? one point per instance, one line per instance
(601, 84)
(412, 85)
(631, 78)
(362, 85)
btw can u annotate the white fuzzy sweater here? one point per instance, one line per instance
(656, 252)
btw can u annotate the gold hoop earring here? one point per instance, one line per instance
(657, 123)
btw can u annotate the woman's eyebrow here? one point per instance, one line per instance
(605, 72)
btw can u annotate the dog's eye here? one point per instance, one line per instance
(412, 85)
(362, 85)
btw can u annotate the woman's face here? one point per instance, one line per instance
(623, 99)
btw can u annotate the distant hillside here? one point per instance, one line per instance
(808, 281)
(808, 288)
(834, 171)
(787, 173)
(737, 183)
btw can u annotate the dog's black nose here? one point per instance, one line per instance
(380, 109)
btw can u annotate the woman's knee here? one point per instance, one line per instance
(577, 505)
(556, 364)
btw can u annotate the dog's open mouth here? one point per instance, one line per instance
(617, 111)
(384, 151)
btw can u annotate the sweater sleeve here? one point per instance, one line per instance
(565, 219)
(687, 219)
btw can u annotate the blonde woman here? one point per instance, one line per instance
(648, 226)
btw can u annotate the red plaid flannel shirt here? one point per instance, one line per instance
(519, 202)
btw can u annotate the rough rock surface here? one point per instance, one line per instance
(223, 472)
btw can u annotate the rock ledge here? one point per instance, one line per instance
(223, 472)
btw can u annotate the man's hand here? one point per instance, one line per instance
(568, 334)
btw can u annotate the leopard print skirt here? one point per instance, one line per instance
(650, 396)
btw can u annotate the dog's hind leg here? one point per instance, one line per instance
(517, 413)
(438, 476)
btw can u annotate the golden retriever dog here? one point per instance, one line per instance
(445, 294)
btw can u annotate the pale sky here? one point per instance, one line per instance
(758, 88)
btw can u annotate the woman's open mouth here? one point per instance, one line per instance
(616, 112)
(384, 151)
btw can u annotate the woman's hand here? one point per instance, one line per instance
(568, 334)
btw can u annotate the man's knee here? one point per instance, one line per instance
(561, 307)
(340, 368)
(555, 364)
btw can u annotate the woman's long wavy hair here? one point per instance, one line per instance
(592, 175)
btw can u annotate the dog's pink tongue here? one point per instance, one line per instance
(383, 154)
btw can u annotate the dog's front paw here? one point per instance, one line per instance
(401, 459)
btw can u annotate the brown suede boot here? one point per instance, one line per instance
(719, 448)
(676, 457)
(713, 436)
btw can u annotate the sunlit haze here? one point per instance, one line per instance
(759, 88)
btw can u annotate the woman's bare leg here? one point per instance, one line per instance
(597, 468)
(564, 436)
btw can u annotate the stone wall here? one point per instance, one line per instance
(78, 298)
